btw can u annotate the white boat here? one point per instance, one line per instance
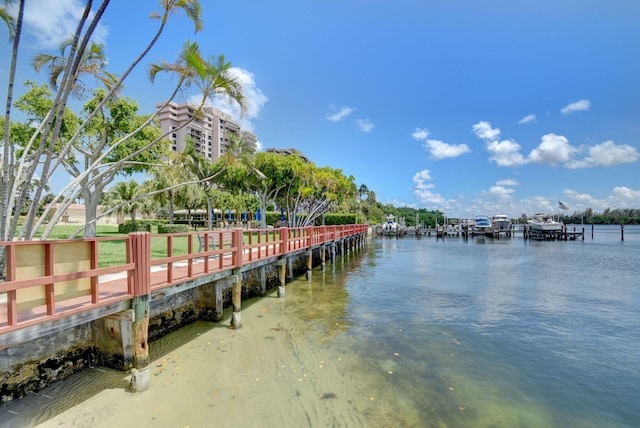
(544, 222)
(391, 227)
(501, 222)
(482, 224)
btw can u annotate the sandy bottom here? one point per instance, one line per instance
(271, 372)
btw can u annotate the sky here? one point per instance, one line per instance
(464, 106)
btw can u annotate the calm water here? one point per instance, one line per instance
(506, 332)
(482, 332)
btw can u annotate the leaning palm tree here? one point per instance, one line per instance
(92, 62)
(7, 178)
(7, 175)
(212, 77)
(48, 133)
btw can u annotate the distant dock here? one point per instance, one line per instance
(449, 231)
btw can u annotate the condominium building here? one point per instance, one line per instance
(209, 131)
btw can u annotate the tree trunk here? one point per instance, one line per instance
(209, 213)
(171, 206)
(90, 215)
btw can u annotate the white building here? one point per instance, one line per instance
(209, 132)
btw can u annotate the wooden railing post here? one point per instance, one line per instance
(141, 255)
(237, 241)
(284, 237)
(12, 303)
(310, 237)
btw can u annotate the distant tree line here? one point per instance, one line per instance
(608, 216)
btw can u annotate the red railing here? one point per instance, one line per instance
(52, 279)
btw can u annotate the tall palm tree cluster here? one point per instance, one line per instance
(102, 143)
(108, 138)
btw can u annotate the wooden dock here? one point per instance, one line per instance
(523, 230)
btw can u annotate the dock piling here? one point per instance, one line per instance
(309, 255)
(282, 274)
(236, 316)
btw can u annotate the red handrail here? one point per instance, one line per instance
(143, 272)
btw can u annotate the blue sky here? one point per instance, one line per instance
(469, 107)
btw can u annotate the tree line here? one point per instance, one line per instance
(608, 216)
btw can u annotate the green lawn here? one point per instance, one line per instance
(114, 252)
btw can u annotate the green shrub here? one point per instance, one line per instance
(173, 228)
(129, 227)
(152, 222)
(339, 219)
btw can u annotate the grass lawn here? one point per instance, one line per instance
(114, 252)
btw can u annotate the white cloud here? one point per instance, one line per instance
(365, 125)
(441, 150)
(500, 190)
(430, 199)
(606, 154)
(254, 99)
(507, 182)
(527, 119)
(553, 149)
(338, 113)
(424, 195)
(624, 197)
(420, 134)
(620, 197)
(484, 131)
(581, 105)
(51, 22)
(420, 177)
(506, 153)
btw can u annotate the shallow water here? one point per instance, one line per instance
(505, 332)
(456, 333)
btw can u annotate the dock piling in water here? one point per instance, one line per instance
(236, 316)
(282, 274)
(309, 255)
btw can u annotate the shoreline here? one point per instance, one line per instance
(270, 372)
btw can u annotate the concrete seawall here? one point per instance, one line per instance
(33, 363)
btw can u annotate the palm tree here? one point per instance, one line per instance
(212, 76)
(93, 62)
(48, 133)
(236, 151)
(166, 177)
(124, 198)
(9, 20)
(204, 171)
(190, 197)
(7, 178)
(362, 191)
